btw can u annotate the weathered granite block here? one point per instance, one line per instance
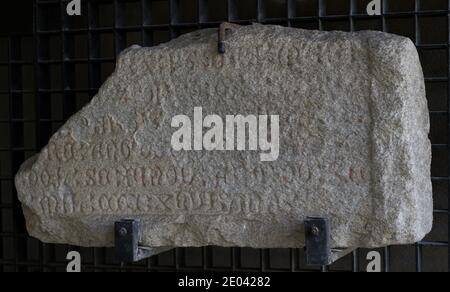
(354, 147)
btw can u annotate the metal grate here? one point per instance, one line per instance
(48, 76)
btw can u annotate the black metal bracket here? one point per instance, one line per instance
(317, 241)
(127, 236)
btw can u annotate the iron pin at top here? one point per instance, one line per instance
(224, 27)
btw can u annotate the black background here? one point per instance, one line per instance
(16, 16)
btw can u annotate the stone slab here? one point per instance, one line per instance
(354, 145)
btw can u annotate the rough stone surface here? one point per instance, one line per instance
(354, 145)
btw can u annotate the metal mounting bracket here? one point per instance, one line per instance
(317, 241)
(127, 236)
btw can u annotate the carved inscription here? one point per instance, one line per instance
(198, 203)
(129, 176)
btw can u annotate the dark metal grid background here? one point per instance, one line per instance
(48, 76)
